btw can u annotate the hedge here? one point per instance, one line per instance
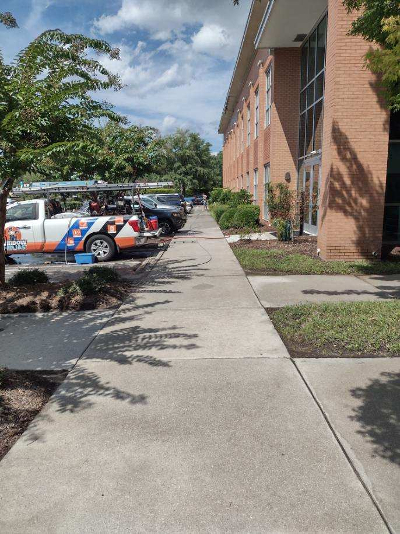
(218, 210)
(246, 216)
(226, 221)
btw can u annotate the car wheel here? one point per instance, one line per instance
(166, 227)
(102, 246)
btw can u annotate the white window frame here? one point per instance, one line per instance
(248, 124)
(255, 186)
(256, 113)
(242, 140)
(268, 96)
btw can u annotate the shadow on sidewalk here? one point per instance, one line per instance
(379, 415)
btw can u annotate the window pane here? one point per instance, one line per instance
(321, 47)
(303, 100)
(302, 134)
(318, 125)
(310, 94)
(304, 61)
(395, 125)
(314, 196)
(319, 86)
(307, 178)
(22, 212)
(309, 132)
(312, 54)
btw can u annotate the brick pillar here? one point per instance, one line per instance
(285, 115)
(355, 148)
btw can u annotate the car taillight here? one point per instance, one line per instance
(134, 223)
(154, 223)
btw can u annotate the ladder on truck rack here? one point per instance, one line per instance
(92, 188)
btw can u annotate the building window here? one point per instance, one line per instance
(241, 182)
(312, 90)
(242, 133)
(268, 97)
(256, 114)
(248, 181)
(267, 177)
(248, 125)
(256, 185)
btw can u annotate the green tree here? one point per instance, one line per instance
(8, 20)
(47, 111)
(379, 22)
(188, 162)
(130, 152)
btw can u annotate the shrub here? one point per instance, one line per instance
(218, 210)
(240, 197)
(226, 221)
(28, 277)
(281, 201)
(246, 216)
(283, 229)
(105, 274)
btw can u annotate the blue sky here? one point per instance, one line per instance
(177, 56)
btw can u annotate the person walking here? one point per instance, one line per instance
(205, 201)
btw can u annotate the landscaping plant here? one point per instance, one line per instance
(28, 277)
(246, 216)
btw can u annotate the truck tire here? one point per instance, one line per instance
(166, 227)
(102, 246)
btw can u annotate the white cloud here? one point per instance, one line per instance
(214, 40)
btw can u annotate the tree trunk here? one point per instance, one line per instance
(4, 192)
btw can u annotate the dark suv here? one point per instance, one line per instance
(170, 220)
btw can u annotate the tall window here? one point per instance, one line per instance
(268, 97)
(248, 181)
(267, 177)
(312, 90)
(255, 185)
(256, 114)
(242, 133)
(248, 124)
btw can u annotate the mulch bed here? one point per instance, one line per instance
(22, 395)
(45, 298)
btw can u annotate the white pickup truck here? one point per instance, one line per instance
(31, 229)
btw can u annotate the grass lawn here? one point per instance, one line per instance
(278, 261)
(340, 329)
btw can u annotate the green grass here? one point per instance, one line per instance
(353, 327)
(281, 261)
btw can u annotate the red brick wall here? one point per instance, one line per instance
(285, 115)
(355, 147)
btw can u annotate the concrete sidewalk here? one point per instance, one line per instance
(184, 415)
(289, 290)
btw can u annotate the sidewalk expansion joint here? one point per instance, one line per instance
(343, 448)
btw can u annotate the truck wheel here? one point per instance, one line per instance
(166, 227)
(102, 246)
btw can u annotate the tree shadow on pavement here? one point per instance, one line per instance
(379, 415)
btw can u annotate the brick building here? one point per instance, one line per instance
(302, 109)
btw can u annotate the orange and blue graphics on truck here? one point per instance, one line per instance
(13, 241)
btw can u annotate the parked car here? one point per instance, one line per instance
(198, 200)
(31, 227)
(170, 218)
(174, 198)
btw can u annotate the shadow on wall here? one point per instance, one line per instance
(359, 198)
(379, 415)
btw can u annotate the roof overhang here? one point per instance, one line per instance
(243, 62)
(286, 20)
(271, 24)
